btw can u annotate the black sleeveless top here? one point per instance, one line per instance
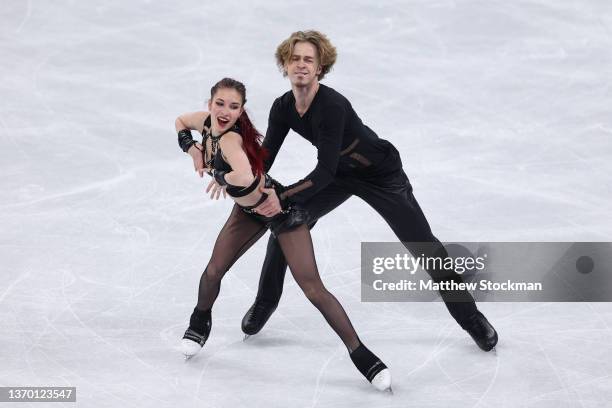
(219, 164)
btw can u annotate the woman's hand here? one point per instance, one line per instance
(195, 151)
(216, 189)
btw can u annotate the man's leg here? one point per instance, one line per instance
(391, 196)
(275, 266)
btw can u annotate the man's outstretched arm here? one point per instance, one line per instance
(329, 141)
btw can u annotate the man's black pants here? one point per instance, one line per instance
(391, 196)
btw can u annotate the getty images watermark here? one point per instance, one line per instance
(493, 271)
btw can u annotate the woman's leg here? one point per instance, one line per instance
(299, 253)
(238, 234)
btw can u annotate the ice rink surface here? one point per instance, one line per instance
(501, 112)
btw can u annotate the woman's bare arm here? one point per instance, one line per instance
(191, 120)
(241, 174)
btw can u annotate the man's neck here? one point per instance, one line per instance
(303, 96)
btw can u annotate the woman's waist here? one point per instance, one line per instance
(255, 197)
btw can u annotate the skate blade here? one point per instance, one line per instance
(246, 336)
(390, 390)
(188, 357)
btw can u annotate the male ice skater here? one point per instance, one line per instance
(352, 160)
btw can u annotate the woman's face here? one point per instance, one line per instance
(225, 108)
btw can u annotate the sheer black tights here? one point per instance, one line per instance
(238, 234)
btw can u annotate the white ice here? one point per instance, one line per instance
(501, 112)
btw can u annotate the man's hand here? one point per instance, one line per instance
(195, 151)
(216, 189)
(271, 206)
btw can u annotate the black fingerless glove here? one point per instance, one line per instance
(185, 140)
(219, 176)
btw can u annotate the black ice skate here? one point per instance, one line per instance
(256, 317)
(196, 335)
(374, 370)
(482, 332)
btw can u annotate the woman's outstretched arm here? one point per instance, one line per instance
(184, 124)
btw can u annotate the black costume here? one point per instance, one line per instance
(352, 160)
(287, 219)
(243, 229)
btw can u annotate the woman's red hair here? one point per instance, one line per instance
(251, 140)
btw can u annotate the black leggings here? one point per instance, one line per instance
(391, 196)
(239, 233)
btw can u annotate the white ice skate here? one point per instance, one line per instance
(374, 370)
(382, 381)
(192, 343)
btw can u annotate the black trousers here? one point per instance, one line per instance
(391, 196)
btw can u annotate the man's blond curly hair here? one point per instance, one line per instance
(326, 51)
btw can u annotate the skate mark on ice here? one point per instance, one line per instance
(28, 13)
(316, 392)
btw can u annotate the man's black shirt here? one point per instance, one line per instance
(345, 146)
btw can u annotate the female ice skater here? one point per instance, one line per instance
(231, 152)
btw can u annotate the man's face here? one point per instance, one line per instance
(303, 65)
